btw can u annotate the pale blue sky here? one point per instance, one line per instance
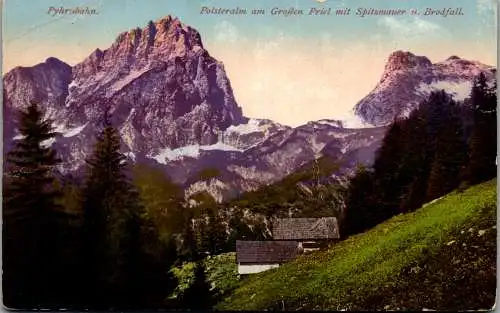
(28, 20)
(266, 56)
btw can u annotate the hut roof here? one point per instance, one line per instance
(305, 228)
(266, 251)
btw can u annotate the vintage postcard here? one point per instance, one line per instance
(329, 155)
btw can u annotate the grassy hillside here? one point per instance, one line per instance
(443, 256)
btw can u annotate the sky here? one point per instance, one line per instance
(291, 69)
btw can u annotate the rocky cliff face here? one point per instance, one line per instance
(174, 107)
(274, 156)
(408, 79)
(161, 86)
(45, 83)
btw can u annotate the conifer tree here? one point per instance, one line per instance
(126, 264)
(387, 171)
(161, 198)
(450, 157)
(30, 215)
(361, 205)
(110, 210)
(483, 140)
(415, 162)
(424, 132)
(210, 231)
(437, 108)
(146, 279)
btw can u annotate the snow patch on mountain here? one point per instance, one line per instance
(252, 126)
(316, 147)
(74, 131)
(220, 146)
(333, 123)
(130, 155)
(50, 112)
(352, 121)
(167, 155)
(47, 143)
(458, 90)
(60, 128)
(338, 135)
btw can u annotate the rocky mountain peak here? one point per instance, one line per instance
(166, 37)
(159, 41)
(55, 62)
(45, 82)
(403, 61)
(406, 60)
(408, 79)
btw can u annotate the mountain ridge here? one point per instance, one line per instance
(174, 107)
(407, 79)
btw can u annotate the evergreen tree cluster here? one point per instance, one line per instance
(309, 192)
(90, 246)
(441, 146)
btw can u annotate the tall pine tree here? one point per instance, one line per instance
(416, 161)
(30, 215)
(450, 157)
(362, 207)
(145, 274)
(125, 263)
(387, 171)
(110, 210)
(483, 140)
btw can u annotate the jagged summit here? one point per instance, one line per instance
(159, 41)
(166, 36)
(403, 61)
